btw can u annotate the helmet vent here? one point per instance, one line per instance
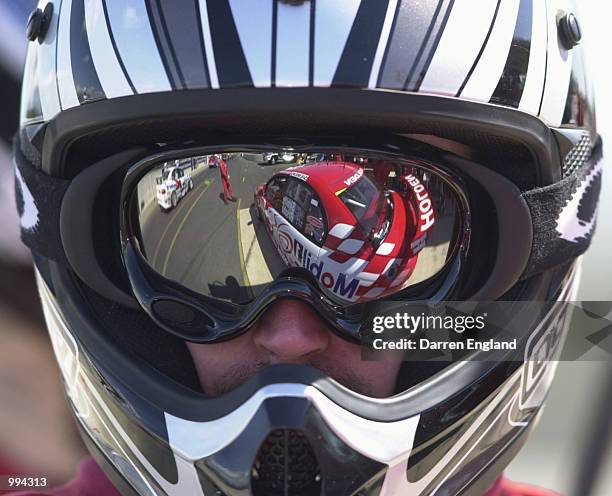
(286, 465)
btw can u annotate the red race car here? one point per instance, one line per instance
(359, 240)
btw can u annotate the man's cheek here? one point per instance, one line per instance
(381, 375)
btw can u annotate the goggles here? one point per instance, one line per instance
(210, 240)
(211, 236)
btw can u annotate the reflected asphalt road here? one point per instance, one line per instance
(207, 245)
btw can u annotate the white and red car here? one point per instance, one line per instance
(357, 239)
(174, 183)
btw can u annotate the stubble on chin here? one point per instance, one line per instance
(237, 375)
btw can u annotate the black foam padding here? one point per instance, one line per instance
(134, 332)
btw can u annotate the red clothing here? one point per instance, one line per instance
(223, 170)
(227, 187)
(505, 487)
(91, 481)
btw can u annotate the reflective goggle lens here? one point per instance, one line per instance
(357, 227)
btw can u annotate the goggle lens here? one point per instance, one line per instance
(357, 227)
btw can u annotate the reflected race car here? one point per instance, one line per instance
(274, 158)
(174, 183)
(358, 240)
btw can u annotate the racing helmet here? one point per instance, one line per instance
(341, 125)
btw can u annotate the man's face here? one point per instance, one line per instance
(290, 332)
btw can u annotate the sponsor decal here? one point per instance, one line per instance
(339, 283)
(426, 211)
(296, 254)
(354, 178)
(299, 175)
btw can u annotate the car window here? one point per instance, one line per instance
(314, 226)
(275, 191)
(366, 203)
(302, 208)
(294, 202)
(292, 188)
(303, 196)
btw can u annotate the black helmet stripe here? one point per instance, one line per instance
(404, 44)
(86, 81)
(432, 38)
(358, 56)
(9, 85)
(178, 30)
(231, 65)
(184, 28)
(162, 39)
(510, 87)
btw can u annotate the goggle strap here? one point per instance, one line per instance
(39, 201)
(563, 216)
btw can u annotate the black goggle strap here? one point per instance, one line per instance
(39, 202)
(563, 213)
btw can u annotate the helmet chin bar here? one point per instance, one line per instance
(175, 452)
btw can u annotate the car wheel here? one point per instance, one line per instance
(173, 199)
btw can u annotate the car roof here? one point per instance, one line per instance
(326, 177)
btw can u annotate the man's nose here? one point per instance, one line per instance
(291, 332)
